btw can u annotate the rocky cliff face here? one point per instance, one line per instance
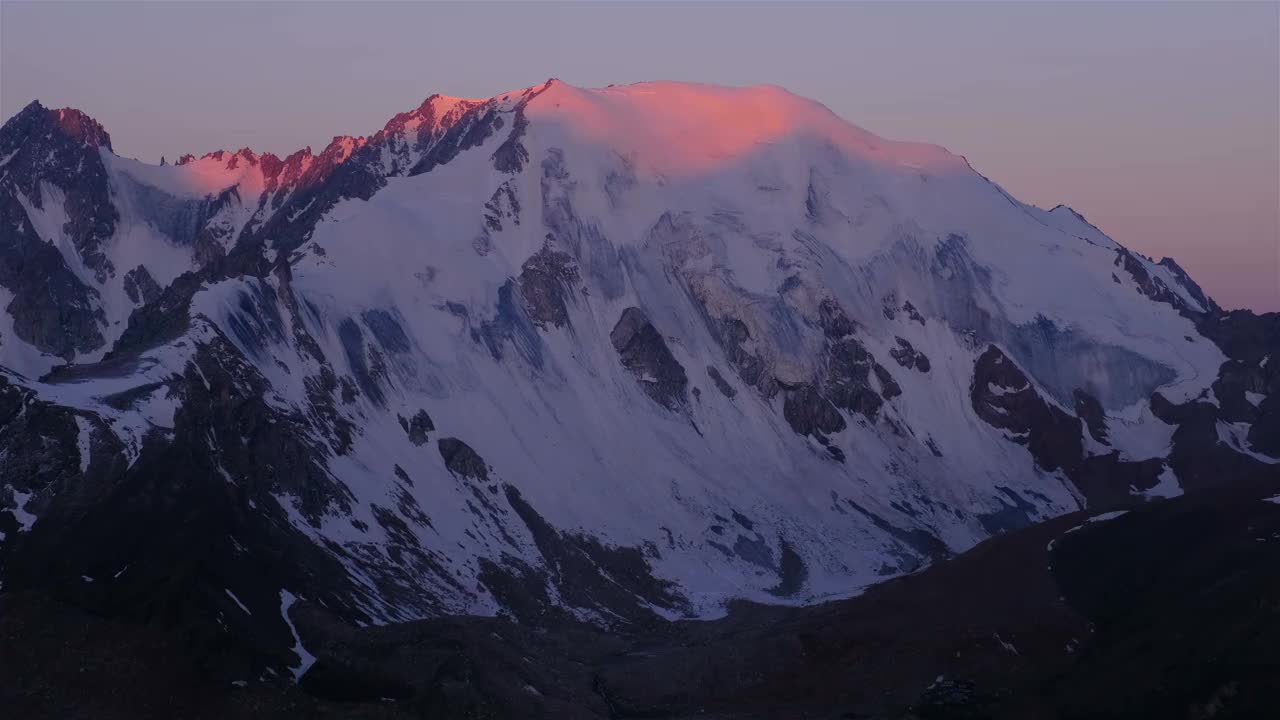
(619, 355)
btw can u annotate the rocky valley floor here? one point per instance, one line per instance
(1168, 610)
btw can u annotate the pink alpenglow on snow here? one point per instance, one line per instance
(692, 128)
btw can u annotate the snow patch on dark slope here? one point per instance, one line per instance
(620, 354)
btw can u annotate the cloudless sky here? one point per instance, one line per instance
(1159, 121)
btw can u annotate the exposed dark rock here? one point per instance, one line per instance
(835, 324)
(51, 308)
(810, 413)
(1090, 411)
(140, 286)
(475, 126)
(1245, 336)
(889, 387)
(1003, 397)
(1252, 342)
(1238, 387)
(721, 384)
(320, 389)
(417, 427)
(502, 205)
(1151, 285)
(164, 547)
(523, 591)
(1106, 480)
(792, 571)
(462, 460)
(169, 315)
(1199, 459)
(61, 147)
(908, 357)
(913, 314)
(733, 336)
(589, 574)
(404, 476)
(847, 378)
(547, 280)
(511, 156)
(1193, 289)
(38, 445)
(411, 564)
(644, 352)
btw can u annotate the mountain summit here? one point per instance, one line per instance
(618, 354)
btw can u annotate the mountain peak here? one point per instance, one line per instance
(71, 122)
(80, 126)
(685, 127)
(607, 354)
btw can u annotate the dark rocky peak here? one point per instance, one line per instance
(80, 126)
(28, 121)
(187, 158)
(419, 114)
(242, 156)
(1193, 289)
(342, 146)
(270, 163)
(48, 136)
(61, 147)
(437, 110)
(231, 160)
(299, 158)
(37, 121)
(1151, 285)
(313, 170)
(283, 173)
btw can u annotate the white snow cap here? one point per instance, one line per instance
(690, 127)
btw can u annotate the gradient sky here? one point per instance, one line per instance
(1160, 122)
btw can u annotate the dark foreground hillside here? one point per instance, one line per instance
(1171, 610)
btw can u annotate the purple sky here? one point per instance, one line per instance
(1160, 122)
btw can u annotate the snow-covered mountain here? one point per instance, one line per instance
(617, 352)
